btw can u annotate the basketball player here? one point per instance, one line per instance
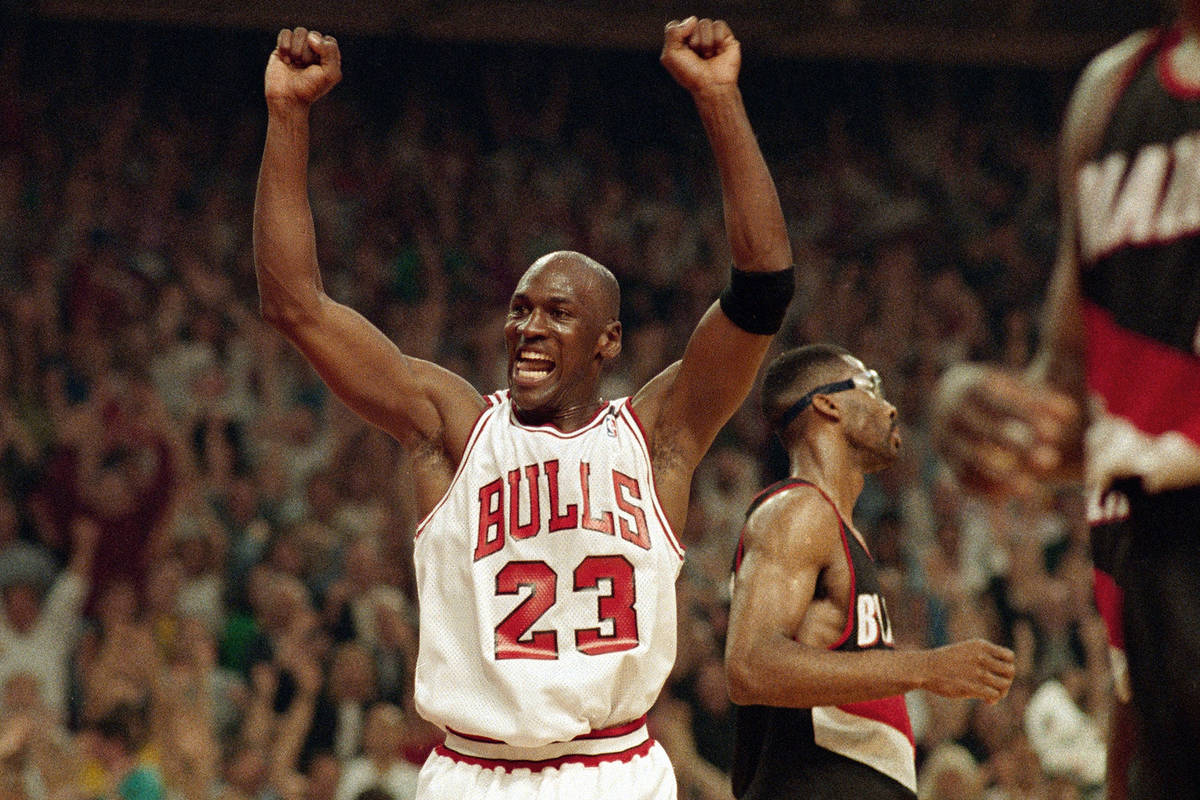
(829, 722)
(547, 558)
(1121, 358)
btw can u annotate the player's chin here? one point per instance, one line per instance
(530, 399)
(884, 458)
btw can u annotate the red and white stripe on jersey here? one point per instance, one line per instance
(1142, 380)
(635, 426)
(619, 743)
(877, 733)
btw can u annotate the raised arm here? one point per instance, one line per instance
(425, 407)
(789, 542)
(686, 406)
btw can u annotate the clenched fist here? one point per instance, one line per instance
(302, 68)
(701, 54)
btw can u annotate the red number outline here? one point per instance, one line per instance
(514, 637)
(542, 583)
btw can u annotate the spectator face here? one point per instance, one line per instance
(324, 772)
(246, 771)
(162, 585)
(243, 501)
(118, 604)
(382, 732)
(21, 603)
(712, 688)
(21, 695)
(352, 676)
(113, 497)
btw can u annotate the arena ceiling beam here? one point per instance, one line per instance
(616, 25)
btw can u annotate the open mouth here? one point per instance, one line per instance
(531, 368)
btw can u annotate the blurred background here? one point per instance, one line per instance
(206, 559)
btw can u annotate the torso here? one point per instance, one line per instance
(1139, 245)
(546, 579)
(861, 750)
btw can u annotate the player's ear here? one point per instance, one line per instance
(609, 343)
(826, 406)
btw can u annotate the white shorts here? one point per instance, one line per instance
(632, 767)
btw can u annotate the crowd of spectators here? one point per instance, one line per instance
(206, 559)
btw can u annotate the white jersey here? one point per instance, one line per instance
(546, 580)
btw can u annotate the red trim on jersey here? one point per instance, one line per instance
(1141, 379)
(472, 440)
(615, 730)
(600, 733)
(843, 529)
(553, 429)
(1175, 85)
(891, 711)
(851, 610)
(552, 763)
(675, 542)
(1108, 602)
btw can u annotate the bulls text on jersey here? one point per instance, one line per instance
(525, 503)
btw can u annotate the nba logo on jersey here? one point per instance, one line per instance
(610, 425)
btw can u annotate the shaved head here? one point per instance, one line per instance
(590, 278)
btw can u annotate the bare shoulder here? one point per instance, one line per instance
(1111, 63)
(795, 523)
(1096, 91)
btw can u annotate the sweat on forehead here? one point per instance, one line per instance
(581, 274)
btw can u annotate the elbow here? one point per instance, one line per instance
(273, 315)
(739, 678)
(287, 318)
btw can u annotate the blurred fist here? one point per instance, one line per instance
(302, 68)
(1003, 435)
(973, 669)
(701, 54)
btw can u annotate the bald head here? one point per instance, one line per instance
(593, 282)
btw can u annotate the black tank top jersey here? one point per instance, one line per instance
(1139, 240)
(860, 750)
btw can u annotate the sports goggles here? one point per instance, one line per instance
(868, 381)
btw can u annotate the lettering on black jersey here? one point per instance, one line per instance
(1153, 201)
(874, 624)
(1106, 508)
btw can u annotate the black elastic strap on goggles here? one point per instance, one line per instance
(826, 388)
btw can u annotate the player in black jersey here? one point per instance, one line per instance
(1120, 357)
(829, 721)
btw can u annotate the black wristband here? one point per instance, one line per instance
(757, 301)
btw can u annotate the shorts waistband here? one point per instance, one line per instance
(619, 743)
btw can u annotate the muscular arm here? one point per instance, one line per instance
(790, 541)
(419, 403)
(686, 406)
